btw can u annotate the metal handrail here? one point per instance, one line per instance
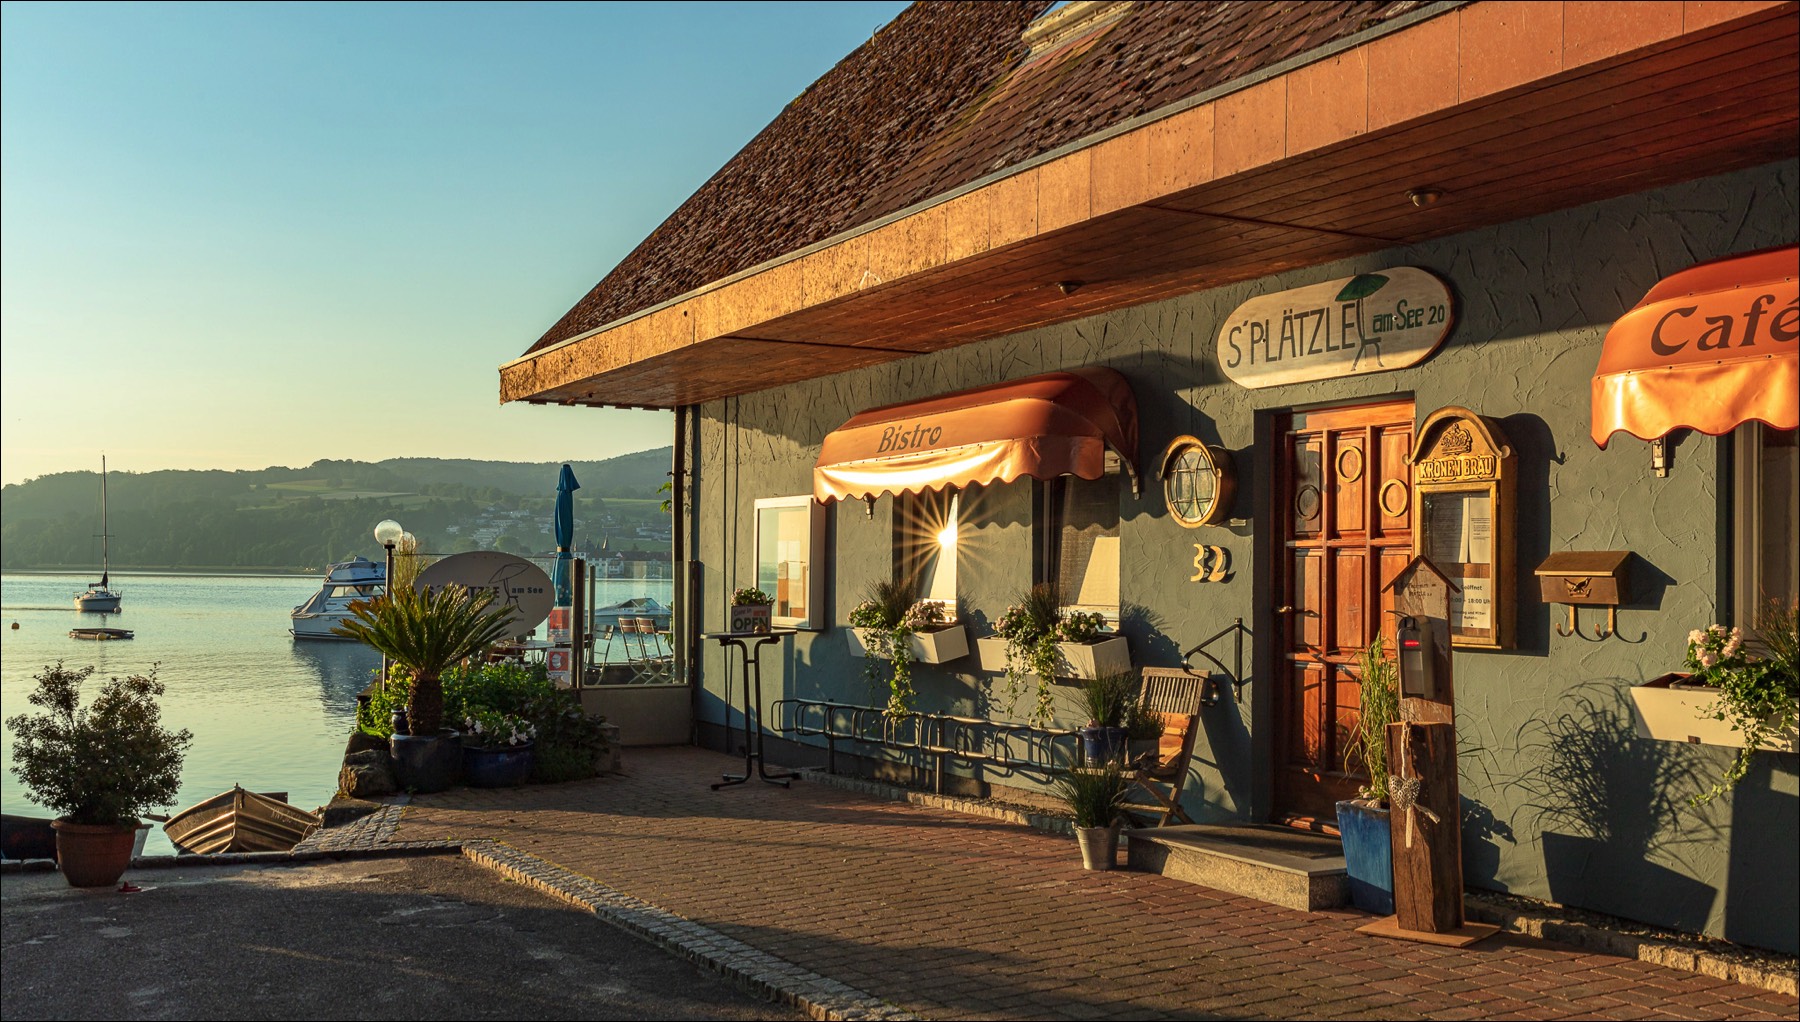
(940, 736)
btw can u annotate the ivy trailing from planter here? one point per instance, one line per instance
(889, 614)
(1029, 628)
(1032, 627)
(1759, 695)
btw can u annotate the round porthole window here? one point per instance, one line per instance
(1197, 482)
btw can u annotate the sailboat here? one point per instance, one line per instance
(100, 597)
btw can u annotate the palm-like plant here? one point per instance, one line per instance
(425, 633)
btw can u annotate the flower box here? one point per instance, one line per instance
(1665, 710)
(1080, 661)
(934, 647)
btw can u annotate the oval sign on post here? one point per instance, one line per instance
(514, 581)
(1369, 323)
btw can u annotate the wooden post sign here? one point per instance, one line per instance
(1422, 596)
(1425, 826)
(1424, 804)
(1369, 323)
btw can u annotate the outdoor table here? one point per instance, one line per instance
(749, 646)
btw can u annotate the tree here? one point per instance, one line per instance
(424, 633)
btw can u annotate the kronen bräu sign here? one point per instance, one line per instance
(1369, 323)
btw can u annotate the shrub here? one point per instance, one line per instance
(106, 763)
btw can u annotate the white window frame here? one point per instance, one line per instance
(1749, 530)
(812, 557)
(943, 564)
(1050, 530)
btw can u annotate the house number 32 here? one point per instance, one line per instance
(1211, 563)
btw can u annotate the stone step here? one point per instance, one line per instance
(1279, 865)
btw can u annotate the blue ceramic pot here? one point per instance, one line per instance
(504, 766)
(1368, 856)
(1103, 744)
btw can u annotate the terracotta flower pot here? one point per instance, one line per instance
(93, 855)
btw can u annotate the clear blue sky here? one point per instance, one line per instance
(240, 235)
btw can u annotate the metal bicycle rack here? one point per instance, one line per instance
(940, 737)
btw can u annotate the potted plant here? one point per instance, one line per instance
(751, 611)
(1084, 648)
(1036, 637)
(1735, 696)
(1143, 733)
(1107, 700)
(1095, 796)
(424, 634)
(890, 625)
(497, 749)
(99, 766)
(1363, 821)
(1027, 636)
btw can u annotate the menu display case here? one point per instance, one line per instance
(1464, 480)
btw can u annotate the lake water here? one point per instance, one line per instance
(266, 711)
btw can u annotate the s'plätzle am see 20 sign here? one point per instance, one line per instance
(1369, 323)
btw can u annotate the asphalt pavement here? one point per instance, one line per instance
(432, 937)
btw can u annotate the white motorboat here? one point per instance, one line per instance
(345, 582)
(100, 598)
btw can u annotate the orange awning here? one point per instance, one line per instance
(1709, 348)
(1043, 426)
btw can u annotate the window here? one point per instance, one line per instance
(926, 534)
(1078, 545)
(1766, 550)
(790, 535)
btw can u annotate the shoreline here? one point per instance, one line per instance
(170, 571)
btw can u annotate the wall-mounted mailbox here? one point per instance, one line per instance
(1587, 578)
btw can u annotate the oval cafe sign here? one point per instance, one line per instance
(1369, 323)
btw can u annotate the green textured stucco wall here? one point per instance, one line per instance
(1561, 801)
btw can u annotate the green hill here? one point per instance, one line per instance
(282, 517)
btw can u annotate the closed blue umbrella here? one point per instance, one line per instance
(564, 524)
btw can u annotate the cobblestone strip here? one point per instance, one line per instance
(1779, 978)
(374, 830)
(760, 973)
(1049, 823)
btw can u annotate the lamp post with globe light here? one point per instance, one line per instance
(388, 533)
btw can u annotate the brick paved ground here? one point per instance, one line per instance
(954, 916)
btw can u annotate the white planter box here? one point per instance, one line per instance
(1108, 656)
(1076, 660)
(937, 647)
(1685, 715)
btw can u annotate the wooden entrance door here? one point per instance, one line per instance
(1343, 509)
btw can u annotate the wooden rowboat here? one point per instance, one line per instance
(239, 821)
(26, 837)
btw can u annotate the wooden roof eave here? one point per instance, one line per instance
(1309, 162)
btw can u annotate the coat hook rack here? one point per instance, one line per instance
(1587, 578)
